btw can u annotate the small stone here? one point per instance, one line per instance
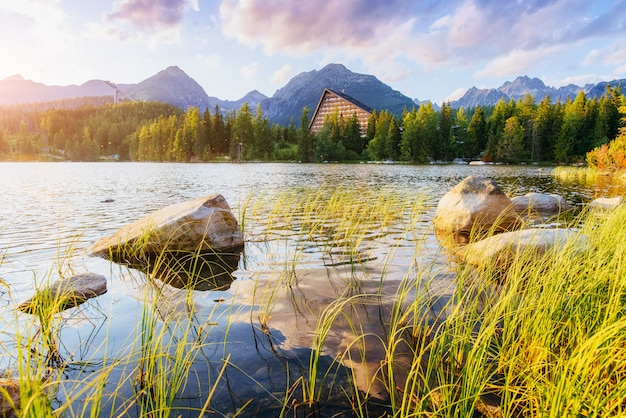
(66, 293)
(9, 401)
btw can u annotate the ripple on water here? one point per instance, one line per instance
(52, 212)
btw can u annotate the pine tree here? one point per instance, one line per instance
(511, 146)
(526, 111)
(442, 149)
(263, 134)
(459, 134)
(221, 143)
(306, 140)
(352, 139)
(571, 133)
(243, 141)
(476, 140)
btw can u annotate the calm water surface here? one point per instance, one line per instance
(50, 214)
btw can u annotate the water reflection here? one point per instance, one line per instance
(195, 271)
(265, 306)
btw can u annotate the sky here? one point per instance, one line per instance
(428, 50)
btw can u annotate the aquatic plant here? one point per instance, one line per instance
(413, 338)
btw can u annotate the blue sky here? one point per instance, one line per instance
(431, 49)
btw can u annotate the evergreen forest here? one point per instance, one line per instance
(522, 131)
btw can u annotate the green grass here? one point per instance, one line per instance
(547, 338)
(590, 176)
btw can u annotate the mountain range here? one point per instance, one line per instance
(174, 86)
(524, 85)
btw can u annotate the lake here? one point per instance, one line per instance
(256, 336)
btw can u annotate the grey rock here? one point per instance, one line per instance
(606, 203)
(499, 251)
(66, 293)
(205, 224)
(475, 205)
(542, 203)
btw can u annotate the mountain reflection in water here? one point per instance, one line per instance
(256, 315)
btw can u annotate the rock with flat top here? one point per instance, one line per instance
(541, 203)
(475, 205)
(205, 224)
(499, 251)
(606, 203)
(65, 293)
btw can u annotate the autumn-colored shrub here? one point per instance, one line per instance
(611, 156)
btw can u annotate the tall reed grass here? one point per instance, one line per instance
(545, 339)
(598, 178)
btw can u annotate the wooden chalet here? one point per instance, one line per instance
(345, 105)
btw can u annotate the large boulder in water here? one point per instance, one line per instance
(473, 206)
(202, 225)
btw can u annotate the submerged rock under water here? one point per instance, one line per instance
(204, 271)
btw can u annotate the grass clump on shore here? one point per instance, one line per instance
(588, 175)
(545, 339)
(549, 341)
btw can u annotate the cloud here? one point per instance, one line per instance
(151, 22)
(402, 37)
(592, 57)
(619, 72)
(580, 80)
(306, 26)
(616, 56)
(47, 23)
(610, 22)
(610, 55)
(151, 15)
(211, 61)
(250, 70)
(282, 75)
(517, 61)
(455, 95)
(478, 31)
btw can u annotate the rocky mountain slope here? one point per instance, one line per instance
(15, 89)
(306, 88)
(253, 98)
(524, 85)
(174, 86)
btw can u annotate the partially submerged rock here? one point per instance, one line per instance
(9, 397)
(606, 203)
(475, 205)
(207, 271)
(541, 203)
(205, 224)
(66, 293)
(499, 251)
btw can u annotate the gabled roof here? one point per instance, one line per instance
(343, 96)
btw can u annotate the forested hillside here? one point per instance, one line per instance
(510, 132)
